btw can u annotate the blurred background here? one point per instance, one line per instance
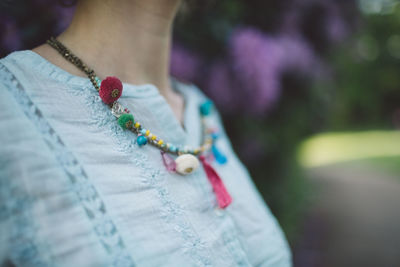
(310, 94)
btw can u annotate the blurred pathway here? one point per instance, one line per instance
(355, 216)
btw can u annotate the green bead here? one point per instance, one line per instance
(126, 121)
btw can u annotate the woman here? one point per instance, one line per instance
(83, 185)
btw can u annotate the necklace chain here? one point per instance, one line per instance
(68, 55)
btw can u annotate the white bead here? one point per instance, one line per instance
(186, 164)
(117, 109)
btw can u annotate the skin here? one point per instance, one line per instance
(129, 39)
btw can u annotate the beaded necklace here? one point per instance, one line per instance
(110, 90)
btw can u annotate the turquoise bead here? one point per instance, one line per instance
(219, 157)
(143, 131)
(98, 81)
(206, 107)
(215, 135)
(141, 140)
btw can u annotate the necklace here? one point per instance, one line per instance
(110, 90)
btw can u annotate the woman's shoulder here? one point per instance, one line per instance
(8, 80)
(15, 66)
(13, 100)
(11, 70)
(18, 59)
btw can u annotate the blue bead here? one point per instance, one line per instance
(215, 136)
(219, 157)
(141, 140)
(206, 107)
(172, 148)
(143, 131)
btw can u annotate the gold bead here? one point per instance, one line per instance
(115, 93)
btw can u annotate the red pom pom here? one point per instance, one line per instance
(110, 89)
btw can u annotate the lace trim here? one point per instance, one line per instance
(172, 212)
(87, 194)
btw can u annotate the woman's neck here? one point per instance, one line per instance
(129, 39)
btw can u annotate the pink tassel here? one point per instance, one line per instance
(168, 162)
(222, 195)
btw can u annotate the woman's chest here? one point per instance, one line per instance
(158, 215)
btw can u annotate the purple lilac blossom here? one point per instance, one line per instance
(185, 65)
(11, 39)
(298, 55)
(257, 60)
(334, 24)
(335, 27)
(250, 79)
(221, 87)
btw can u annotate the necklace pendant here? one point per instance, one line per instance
(169, 162)
(186, 164)
(222, 195)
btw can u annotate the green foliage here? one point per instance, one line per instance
(368, 80)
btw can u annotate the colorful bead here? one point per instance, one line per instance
(219, 157)
(98, 81)
(143, 131)
(137, 125)
(125, 121)
(141, 140)
(110, 89)
(206, 146)
(117, 110)
(186, 164)
(206, 107)
(153, 137)
(215, 135)
(186, 149)
(169, 163)
(147, 133)
(160, 142)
